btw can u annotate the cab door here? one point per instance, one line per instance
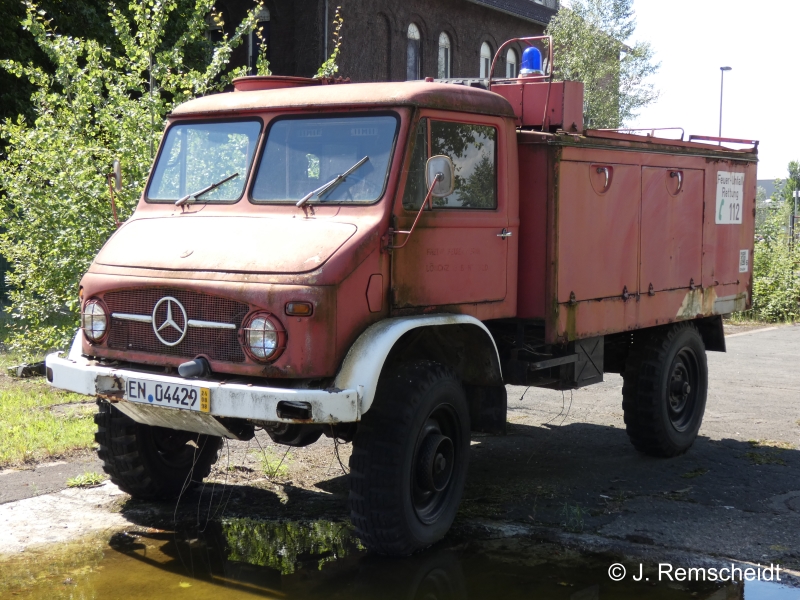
(459, 251)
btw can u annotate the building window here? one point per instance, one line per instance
(413, 54)
(444, 56)
(512, 68)
(486, 60)
(214, 27)
(258, 40)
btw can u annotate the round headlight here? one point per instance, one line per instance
(94, 320)
(263, 337)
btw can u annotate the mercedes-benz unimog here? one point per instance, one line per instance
(376, 262)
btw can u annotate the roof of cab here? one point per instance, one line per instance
(440, 96)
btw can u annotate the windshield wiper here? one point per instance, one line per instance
(331, 185)
(189, 198)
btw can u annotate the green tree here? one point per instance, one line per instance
(776, 271)
(590, 43)
(776, 259)
(478, 190)
(96, 105)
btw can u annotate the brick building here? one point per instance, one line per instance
(385, 40)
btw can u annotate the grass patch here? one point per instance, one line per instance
(770, 451)
(273, 464)
(29, 429)
(86, 480)
(779, 445)
(696, 473)
(764, 458)
(572, 517)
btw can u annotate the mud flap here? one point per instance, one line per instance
(588, 369)
(487, 408)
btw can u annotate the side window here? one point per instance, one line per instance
(472, 148)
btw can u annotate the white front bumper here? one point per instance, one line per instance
(79, 374)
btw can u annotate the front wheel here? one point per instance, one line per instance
(664, 390)
(151, 463)
(409, 461)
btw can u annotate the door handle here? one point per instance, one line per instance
(504, 234)
(679, 175)
(605, 171)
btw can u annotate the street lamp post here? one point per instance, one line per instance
(721, 82)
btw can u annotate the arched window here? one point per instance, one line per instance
(486, 60)
(512, 66)
(258, 40)
(414, 54)
(444, 56)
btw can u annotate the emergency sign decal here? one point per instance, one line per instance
(744, 261)
(730, 196)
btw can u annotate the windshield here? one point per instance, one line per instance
(302, 155)
(197, 155)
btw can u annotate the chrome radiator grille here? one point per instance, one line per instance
(136, 335)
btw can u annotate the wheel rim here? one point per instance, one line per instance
(173, 447)
(683, 386)
(434, 465)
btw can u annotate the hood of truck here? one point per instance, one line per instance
(229, 244)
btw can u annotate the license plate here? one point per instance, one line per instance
(186, 397)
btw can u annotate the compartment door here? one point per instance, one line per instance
(598, 230)
(672, 228)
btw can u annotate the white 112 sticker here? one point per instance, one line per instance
(730, 197)
(744, 261)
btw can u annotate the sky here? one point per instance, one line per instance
(759, 40)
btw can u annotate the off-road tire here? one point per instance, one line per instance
(134, 456)
(392, 513)
(660, 421)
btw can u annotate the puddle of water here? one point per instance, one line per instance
(246, 558)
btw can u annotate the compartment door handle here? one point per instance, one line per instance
(679, 175)
(606, 172)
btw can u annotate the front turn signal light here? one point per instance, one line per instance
(299, 309)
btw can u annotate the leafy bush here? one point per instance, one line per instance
(776, 270)
(96, 106)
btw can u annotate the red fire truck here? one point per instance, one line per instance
(376, 262)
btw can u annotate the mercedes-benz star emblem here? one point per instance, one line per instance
(165, 324)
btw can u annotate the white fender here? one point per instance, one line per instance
(363, 364)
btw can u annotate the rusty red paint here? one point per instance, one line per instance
(527, 98)
(649, 227)
(672, 228)
(375, 293)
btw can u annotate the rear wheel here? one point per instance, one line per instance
(151, 462)
(664, 390)
(409, 460)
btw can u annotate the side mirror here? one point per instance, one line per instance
(116, 170)
(440, 165)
